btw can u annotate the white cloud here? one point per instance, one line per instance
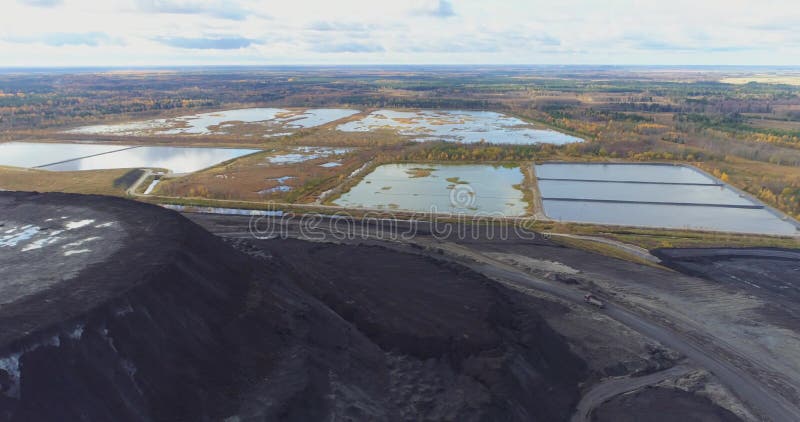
(59, 39)
(42, 3)
(215, 9)
(436, 9)
(159, 32)
(207, 43)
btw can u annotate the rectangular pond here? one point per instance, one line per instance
(641, 192)
(461, 126)
(31, 154)
(176, 159)
(622, 172)
(455, 189)
(757, 221)
(652, 195)
(83, 156)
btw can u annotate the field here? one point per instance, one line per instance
(257, 178)
(100, 182)
(764, 79)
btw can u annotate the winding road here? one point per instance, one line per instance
(764, 402)
(616, 386)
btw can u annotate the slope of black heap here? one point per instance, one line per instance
(176, 324)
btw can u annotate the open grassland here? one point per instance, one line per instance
(256, 178)
(100, 182)
(763, 79)
(773, 124)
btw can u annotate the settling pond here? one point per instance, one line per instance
(272, 121)
(461, 126)
(454, 189)
(74, 157)
(648, 195)
(422, 125)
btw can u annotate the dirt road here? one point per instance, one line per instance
(764, 402)
(613, 387)
(625, 247)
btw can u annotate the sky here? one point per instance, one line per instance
(65, 33)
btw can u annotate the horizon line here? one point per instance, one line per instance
(507, 65)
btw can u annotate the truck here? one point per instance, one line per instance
(593, 300)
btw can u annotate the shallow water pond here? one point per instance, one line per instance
(462, 126)
(302, 154)
(220, 122)
(640, 192)
(460, 189)
(622, 172)
(176, 159)
(31, 154)
(317, 117)
(671, 216)
(649, 195)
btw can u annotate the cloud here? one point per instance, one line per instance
(693, 46)
(60, 39)
(409, 31)
(217, 9)
(485, 41)
(222, 43)
(327, 26)
(348, 47)
(546, 40)
(441, 9)
(42, 3)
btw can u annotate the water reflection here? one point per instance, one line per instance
(716, 195)
(671, 216)
(677, 197)
(462, 126)
(176, 159)
(29, 154)
(622, 172)
(464, 189)
(220, 121)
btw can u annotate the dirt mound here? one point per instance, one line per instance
(476, 349)
(116, 310)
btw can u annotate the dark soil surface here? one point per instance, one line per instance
(776, 271)
(128, 179)
(457, 344)
(112, 310)
(157, 319)
(769, 273)
(661, 405)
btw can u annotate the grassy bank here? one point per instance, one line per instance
(99, 182)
